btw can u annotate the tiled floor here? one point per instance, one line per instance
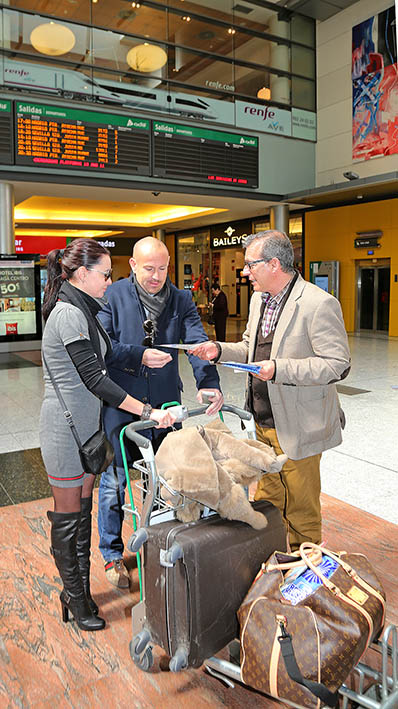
(363, 470)
(44, 663)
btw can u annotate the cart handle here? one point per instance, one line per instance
(143, 442)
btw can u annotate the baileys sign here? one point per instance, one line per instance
(222, 237)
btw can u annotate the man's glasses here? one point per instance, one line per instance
(149, 330)
(107, 274)
(250, 264)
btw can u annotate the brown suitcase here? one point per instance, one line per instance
(196, 576)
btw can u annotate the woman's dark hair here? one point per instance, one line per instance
(62, 263)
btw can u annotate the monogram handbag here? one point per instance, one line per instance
(97, 452)
(305, 623)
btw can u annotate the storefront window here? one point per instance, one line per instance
(296, 237)
(261, 226)
(194, 266)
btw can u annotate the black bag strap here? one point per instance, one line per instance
(67, 413)
(329, 698)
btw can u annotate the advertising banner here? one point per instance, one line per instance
(303, 124)
(74, 84)
(375, 87)
(39, 244)
(266, 119)
(17, 298)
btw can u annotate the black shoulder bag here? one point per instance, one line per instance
(97, 452)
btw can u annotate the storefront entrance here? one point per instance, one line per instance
(373, 295)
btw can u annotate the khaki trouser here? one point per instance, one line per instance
(295, 491)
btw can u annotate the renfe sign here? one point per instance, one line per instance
(267, 119)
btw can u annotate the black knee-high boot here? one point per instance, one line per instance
(83, 545)
(64, 530)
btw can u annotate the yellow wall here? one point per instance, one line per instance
(329, 236)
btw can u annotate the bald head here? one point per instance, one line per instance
(147, 246)
(150, 262)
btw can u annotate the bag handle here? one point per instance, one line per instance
(347, 568)
(67, 413)
(287, 565)
(319, 690)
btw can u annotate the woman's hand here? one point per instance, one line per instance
(163, 417)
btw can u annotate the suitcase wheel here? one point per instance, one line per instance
(179, 661)
(137, 539)
(140, 641)
(144, 661)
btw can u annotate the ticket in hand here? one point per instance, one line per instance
(248, 367)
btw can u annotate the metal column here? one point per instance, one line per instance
(159, 234)
(280, 218)
(7, 239)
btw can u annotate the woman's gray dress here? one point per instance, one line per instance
(65, 324)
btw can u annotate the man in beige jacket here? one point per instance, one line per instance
(296, 333)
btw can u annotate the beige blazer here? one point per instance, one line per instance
(310, 349)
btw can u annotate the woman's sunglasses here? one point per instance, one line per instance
(107, 274)
(149, 330)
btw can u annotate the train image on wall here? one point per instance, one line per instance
(68, 83)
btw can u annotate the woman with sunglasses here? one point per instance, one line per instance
(74, 347)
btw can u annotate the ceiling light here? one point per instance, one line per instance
(231, 30)
(186, 18)
(52, 39)
(135, 4)
(146, 57)
(264, 93)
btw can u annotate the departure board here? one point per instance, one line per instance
(52, 136)
(6, 133)
(199, 154)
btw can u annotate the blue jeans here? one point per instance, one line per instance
(110, 513)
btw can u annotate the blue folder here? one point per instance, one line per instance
(243, 367)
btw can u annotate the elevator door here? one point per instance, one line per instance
(374, 296)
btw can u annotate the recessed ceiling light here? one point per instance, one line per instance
(359, 196)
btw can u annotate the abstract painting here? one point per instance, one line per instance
(375, 87)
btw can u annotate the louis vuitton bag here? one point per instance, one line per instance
(305, 623)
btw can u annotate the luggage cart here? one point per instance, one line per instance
(377, 689)
(156, 510)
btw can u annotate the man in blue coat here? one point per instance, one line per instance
(143, 310)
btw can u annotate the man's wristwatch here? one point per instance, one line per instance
(146, 412)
